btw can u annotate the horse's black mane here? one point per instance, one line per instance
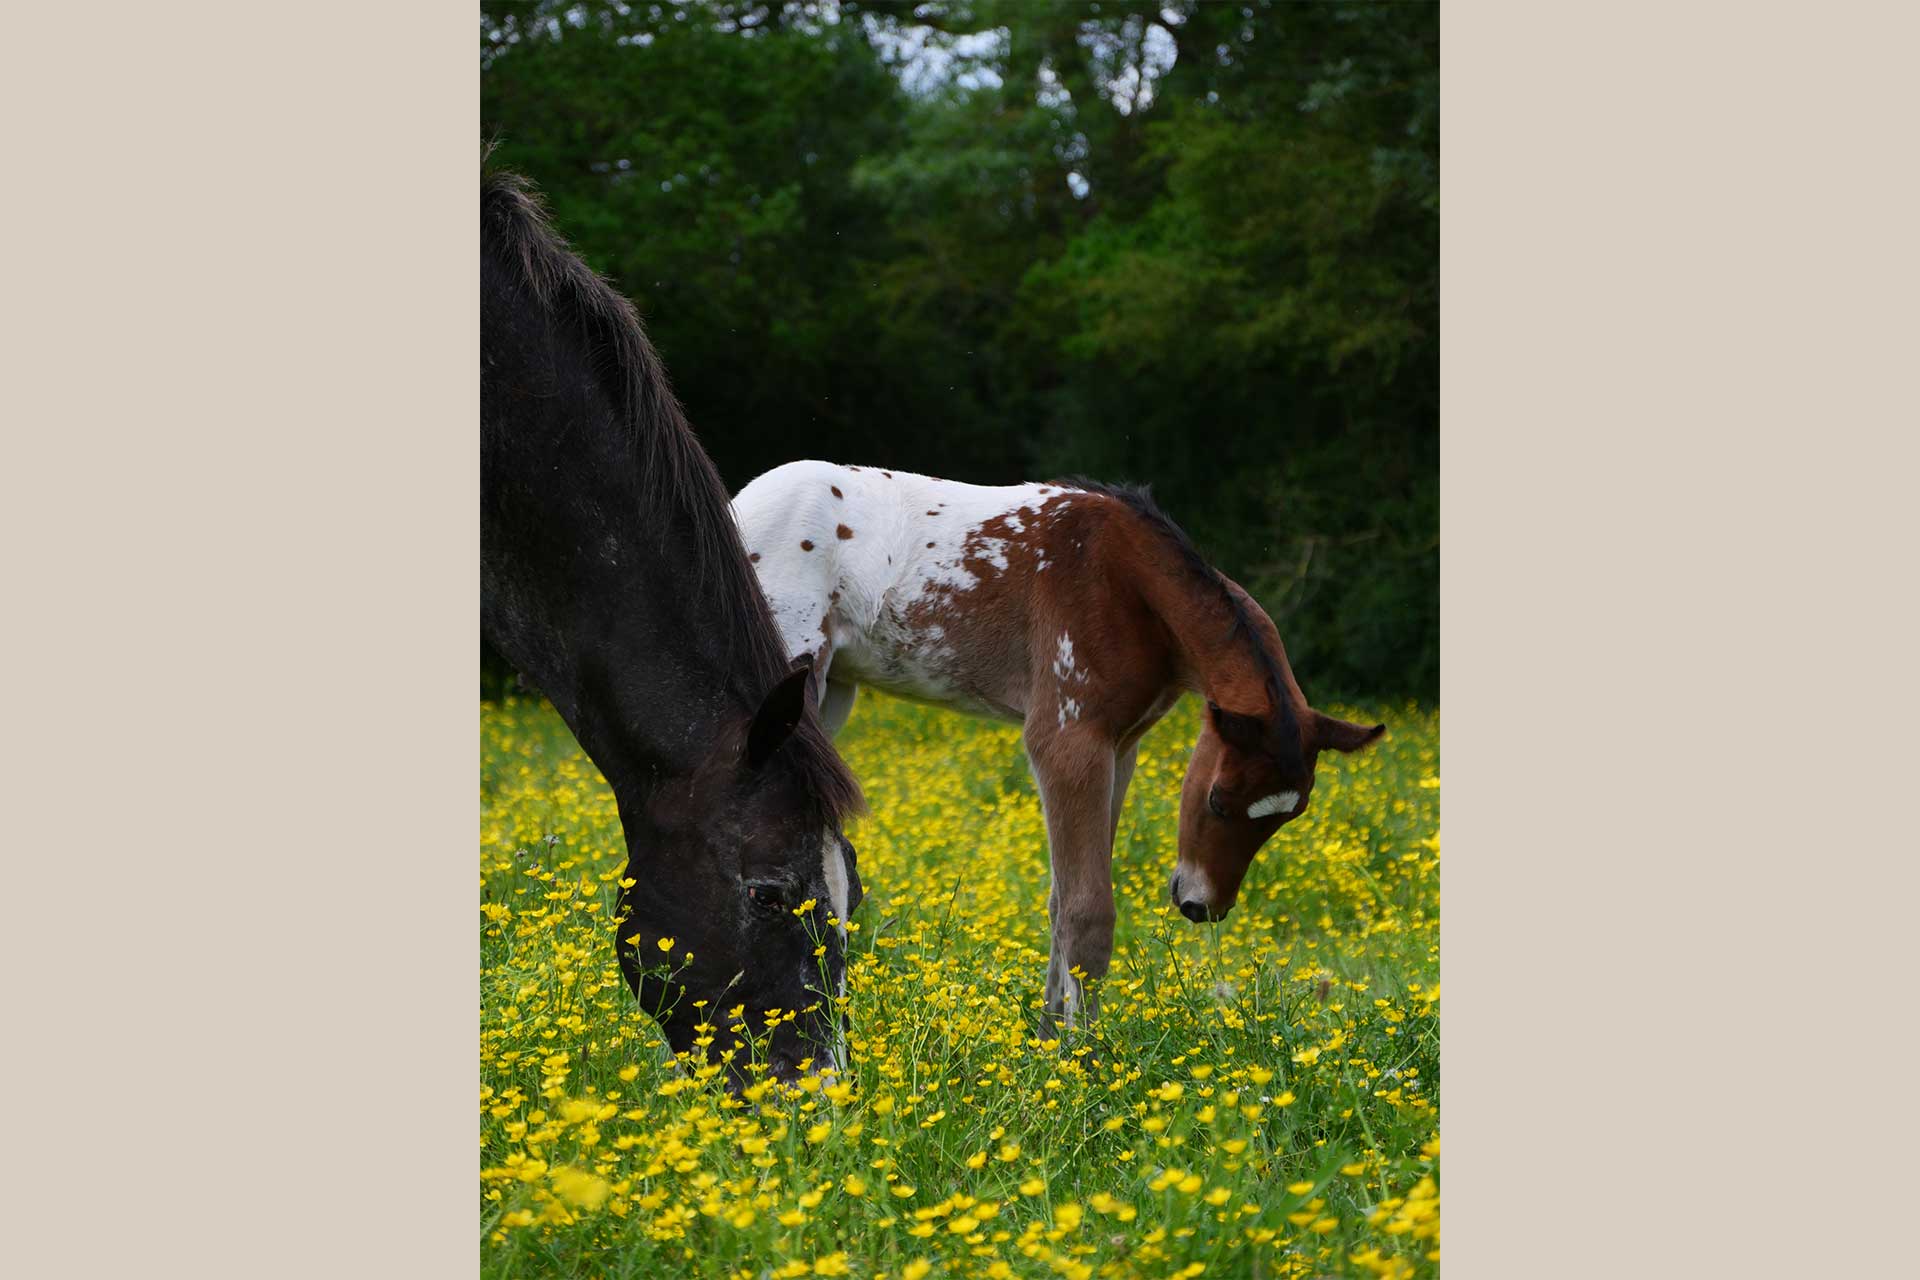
(1139, 500)
(672, 461)
(675, 475)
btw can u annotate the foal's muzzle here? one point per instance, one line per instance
(1191, 905)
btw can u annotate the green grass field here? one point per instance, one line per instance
(1258, 1098)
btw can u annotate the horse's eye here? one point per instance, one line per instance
(1213, 802)
(768, 894)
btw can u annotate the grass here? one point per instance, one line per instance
(1258, 1098)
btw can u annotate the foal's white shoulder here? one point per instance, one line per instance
(770, 489)
(788, 533)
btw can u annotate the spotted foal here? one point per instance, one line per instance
(1079, 611)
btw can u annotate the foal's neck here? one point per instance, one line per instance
(1216, 654)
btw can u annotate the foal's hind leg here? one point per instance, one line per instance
(1123, 761)
(833, 697)
(837, 705)
(1074, 772)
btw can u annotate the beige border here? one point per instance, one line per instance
(1678, 328)
(239, 518)
(240, 495)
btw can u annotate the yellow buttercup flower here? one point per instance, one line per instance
(579, 1187)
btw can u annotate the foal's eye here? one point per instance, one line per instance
(1213, 802)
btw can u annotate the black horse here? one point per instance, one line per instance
(613, 577)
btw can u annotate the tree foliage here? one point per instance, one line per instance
(1189, 244)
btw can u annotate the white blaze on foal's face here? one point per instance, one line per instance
(1279, 802)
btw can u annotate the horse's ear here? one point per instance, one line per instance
(1342, 735)
(778, 716)
(1242, 733)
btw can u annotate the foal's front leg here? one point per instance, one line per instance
(1074, 772)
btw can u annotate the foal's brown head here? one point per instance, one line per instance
(1250, 775)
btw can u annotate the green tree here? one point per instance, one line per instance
(1189, 244)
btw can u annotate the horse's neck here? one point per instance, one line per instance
(649, 706)
(647, 691)
(587, 587)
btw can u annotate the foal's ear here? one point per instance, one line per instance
(1342, 735)
(1243, 733)
(778, 716)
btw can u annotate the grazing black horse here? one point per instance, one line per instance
(612, 576)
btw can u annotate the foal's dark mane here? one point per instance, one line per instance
(1138, 499)
(675, 474)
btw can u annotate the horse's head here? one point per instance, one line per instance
(1250, 775)
(757, 886)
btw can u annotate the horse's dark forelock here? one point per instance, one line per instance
(1138, 500)
(674, 472)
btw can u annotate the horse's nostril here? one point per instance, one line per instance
(1193, 911)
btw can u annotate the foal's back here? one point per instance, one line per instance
(924, 588)
(930, 589)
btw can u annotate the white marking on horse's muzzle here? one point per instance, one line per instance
(833, 865)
